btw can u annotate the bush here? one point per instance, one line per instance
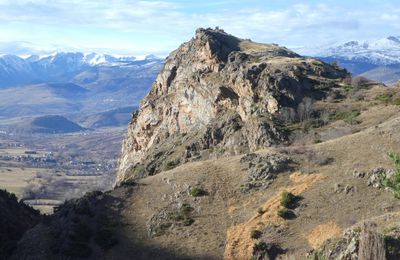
(392, 246)
(170, 165)
(260, 247)
(105, 239)
(388, 98)
(198, 192)
(93, 194)
(286, 213)
(78, 249)
(128, 182)
(347, 116)
(187, 221)
(394, 181)
(360, 82)
(185, 215)
(288, 200)
(260, 211)
(82, 232)
(186, 209)
(255, 234)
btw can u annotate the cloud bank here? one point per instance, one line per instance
(138, 27)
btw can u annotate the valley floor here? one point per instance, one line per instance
(47, 169)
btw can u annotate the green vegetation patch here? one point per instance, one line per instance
(255, 234)
(289, 200)
(286, 213)
(393, 182)
(183, 216)
(128, 182)
(388, 98)
(198, 192)
(347, 116)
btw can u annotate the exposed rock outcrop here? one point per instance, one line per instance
(261, 170)
(219, 95)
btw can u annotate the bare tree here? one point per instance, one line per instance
(287, 115)
(359, 82)
(305, 109)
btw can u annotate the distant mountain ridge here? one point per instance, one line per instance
(385, 51)
(74, 82)
(60, 67)
(376, 59)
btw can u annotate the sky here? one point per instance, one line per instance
(128, 27)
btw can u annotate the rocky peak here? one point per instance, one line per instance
(218, 95)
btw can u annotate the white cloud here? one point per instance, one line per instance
(163, 25)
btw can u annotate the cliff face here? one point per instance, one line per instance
(219, 95)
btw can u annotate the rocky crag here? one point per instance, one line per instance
(219, 95)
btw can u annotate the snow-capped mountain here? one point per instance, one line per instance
(375, 59)
(385, 51)
(60, 67)
(64, 83)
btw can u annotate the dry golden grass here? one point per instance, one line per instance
(323, 232)
(239, 244)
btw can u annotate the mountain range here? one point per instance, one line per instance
(376, 59)
(74, 83)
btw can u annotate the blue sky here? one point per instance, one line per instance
(128, 27)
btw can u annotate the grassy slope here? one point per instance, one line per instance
(322, 211)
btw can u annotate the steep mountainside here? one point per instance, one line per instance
(219, 95)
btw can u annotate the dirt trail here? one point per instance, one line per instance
(239, 244)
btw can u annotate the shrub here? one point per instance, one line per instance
(347, 116)
(128, 182)
(385, 97)
(360, 82)
(388, 98)
(255, 234)
(93, 194)
(392, 246)
(170, 165)
(78, 249)
(394, 181)
(260, 247)
(288, 200)
(186, 209)
(82, 232)
(286, 213)
(105, 239)
(184, 215)
(187, 221)
(198, 192)
(260, 211)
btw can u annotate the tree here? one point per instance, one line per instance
(305, 109)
